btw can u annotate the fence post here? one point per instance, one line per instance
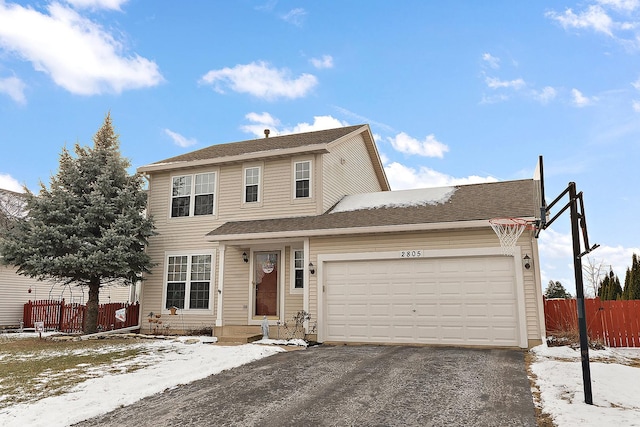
(61, 316)
(26, 314)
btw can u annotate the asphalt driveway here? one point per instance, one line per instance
(348, 386)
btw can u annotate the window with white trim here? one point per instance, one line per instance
(188, 281)
(252, 184)
(302, 179)
(193, 195)
(298, 269)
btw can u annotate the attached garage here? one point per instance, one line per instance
(448, 300)
(411, 267)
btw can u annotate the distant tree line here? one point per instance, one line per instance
(610, 288)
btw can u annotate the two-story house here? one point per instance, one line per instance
(269, 227)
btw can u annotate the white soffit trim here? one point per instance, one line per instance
(306, 149)
(351, 230)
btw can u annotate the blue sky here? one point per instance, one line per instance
(455, 92)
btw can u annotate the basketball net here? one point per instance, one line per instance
(509, 231)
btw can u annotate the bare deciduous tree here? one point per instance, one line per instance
(594, 270)
(11, 208)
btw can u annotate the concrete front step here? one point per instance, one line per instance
(239, 338)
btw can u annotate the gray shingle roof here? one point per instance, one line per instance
(263, 145)
(468, 203)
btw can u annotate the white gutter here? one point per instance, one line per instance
(352, 230)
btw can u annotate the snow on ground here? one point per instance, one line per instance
(395, 199)
(615, 384)
(173, 362)
(615, 377)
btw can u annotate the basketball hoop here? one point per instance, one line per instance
(508, 231)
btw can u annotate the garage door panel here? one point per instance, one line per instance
(458, 301)
(383, 309)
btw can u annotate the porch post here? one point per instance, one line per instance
(221, 252)
(305, 289)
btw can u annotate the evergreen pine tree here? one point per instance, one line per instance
(603, 289)
(88, 228)
(610, 287)
(634, 292)
(627, 285)
(556, 290)
(632, 280)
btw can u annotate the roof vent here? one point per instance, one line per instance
(266, 133)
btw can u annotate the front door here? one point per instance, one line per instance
(266, 283)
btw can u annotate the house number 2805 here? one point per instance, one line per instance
(411, 254)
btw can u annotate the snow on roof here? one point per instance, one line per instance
(395, 199)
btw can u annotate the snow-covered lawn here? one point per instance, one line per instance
(615, 381)
(167, 364)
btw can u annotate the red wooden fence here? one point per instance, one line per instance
(71, 317)
(615, 323)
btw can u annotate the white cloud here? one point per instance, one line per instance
(260, 80)
(635, 104)
(491, 60)
(260, 123)
(429, 147)
(265, 120)
(14, 87)
(624, 5)
(8, 182)
(319, 123)
(180, 140)
(579, 100)
(402, 177)
(76, 52)
(594, 17)
(495, 83)
(636, 84)
(97, 4)
(545, 95)
(493, 99)
(325, 62)
(295, 16)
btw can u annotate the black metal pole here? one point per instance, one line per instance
(582, 321)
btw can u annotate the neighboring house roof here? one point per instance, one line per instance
(276, 146)
(466, 206)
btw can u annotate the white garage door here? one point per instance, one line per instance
(458, 301)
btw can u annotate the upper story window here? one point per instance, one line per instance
(302, 178)
(193, 194)
(252, 184)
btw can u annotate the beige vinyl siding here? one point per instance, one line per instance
(292, 302)
(15, 294)
(347, 169)
(183, 234)
(187, 233)
(236, 292)
(427, 241)
(275, 195)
